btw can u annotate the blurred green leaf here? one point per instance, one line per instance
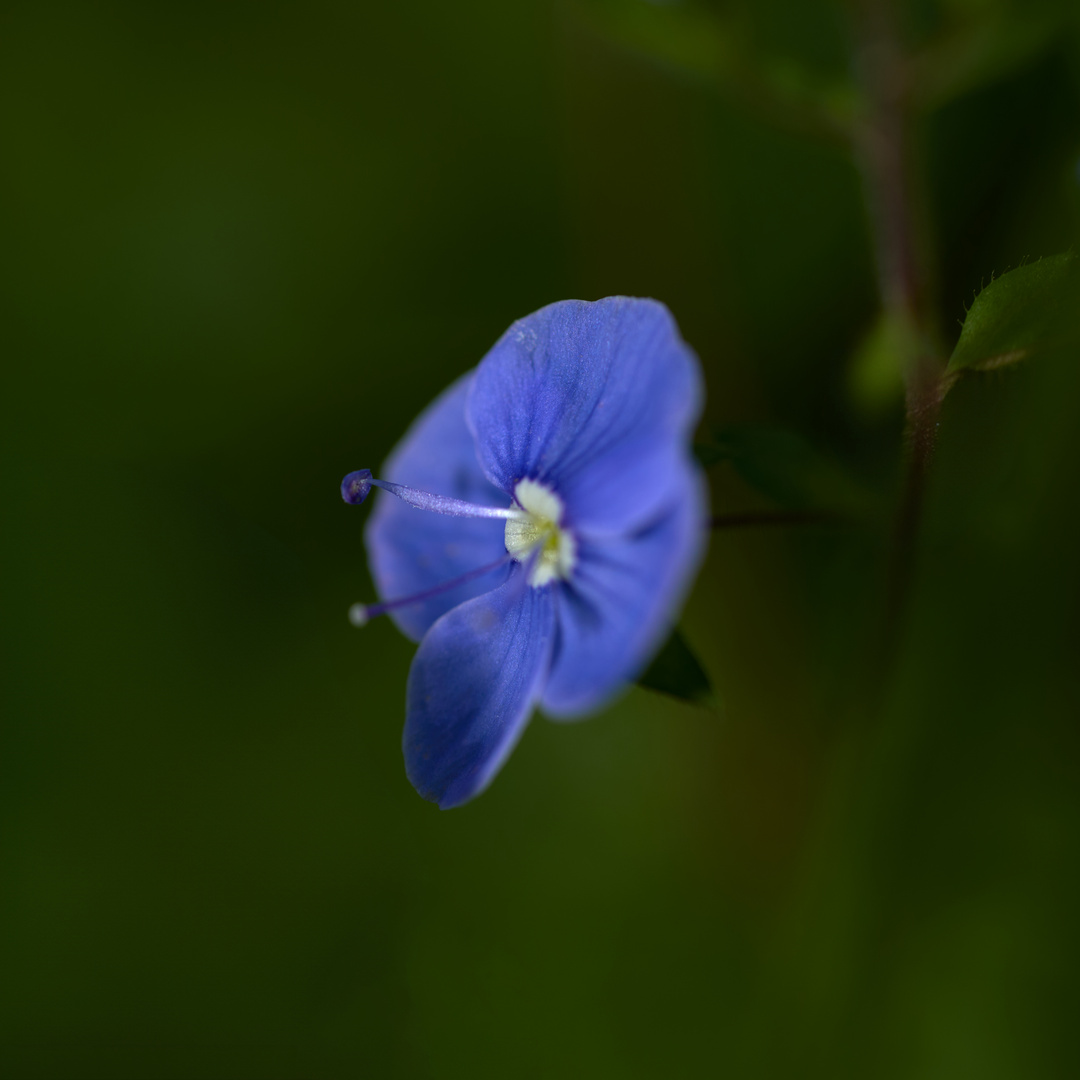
(1028, 309)
(677, 672)
(876, 375)
(980, 43)
(722, 49)
(783, 466)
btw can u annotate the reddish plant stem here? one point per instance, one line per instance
(881, 143)
(924, 408)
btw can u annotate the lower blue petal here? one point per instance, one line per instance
(472, 686)
(622, 602)
(411, 551)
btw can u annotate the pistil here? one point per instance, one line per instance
(540, 535)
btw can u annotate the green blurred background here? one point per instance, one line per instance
(242, 245)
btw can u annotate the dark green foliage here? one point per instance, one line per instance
(786, 468)
(676, 671)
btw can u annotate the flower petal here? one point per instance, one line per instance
(622, 601)
(574, 381)
(626, 488)
(410, 551)
(472, 686)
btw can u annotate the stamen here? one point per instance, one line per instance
(362, 614)
(541, 538)
(356, 486)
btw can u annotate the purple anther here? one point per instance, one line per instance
(355, 486)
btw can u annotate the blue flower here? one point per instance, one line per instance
(570, 519)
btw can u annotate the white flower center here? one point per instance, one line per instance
(541, 535)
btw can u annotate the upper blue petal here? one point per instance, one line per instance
(622, 598)
(625, 488)
(576, 384)
(472, 686)
(410, 550)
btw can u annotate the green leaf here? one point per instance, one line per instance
(783, 466)
(676, 671)
(1021, 313)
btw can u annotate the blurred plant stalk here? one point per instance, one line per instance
(885, 149)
